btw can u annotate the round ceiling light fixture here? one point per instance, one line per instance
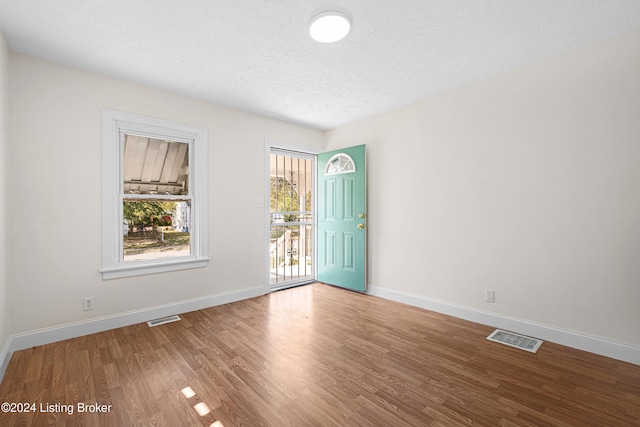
(329, 26)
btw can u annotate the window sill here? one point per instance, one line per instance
(152, 268)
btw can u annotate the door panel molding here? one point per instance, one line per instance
(348, 202)
(349, 250)
(330, 249)
(330, 200)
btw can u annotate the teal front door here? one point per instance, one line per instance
(342, 231)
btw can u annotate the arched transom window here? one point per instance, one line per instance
(340, 163)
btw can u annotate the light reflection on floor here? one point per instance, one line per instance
(200, 407)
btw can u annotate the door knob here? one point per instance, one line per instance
(361, 226)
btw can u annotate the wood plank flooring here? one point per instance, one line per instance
(315, 356)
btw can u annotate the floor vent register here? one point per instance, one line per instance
(515, 340)
(163, 320)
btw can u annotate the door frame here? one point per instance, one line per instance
(270, 144)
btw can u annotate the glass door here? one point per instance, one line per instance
(291, 218)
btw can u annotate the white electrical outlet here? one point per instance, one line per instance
(489, 295)
(259, 203)
(87, 303)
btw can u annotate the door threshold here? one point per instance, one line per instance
(292, 285)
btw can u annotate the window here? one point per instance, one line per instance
(340, 163)
(154, 195)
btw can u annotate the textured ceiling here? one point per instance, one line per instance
(256, 55)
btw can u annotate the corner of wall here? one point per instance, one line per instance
(5, 328)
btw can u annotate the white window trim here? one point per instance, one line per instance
(114, 125)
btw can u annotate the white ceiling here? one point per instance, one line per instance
(256, 55)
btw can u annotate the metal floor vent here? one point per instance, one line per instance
(515, 340)
(163, 320)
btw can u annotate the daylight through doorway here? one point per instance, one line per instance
(291, 219)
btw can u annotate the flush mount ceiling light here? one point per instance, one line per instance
(329, 26)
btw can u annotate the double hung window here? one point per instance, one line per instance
(154, 195)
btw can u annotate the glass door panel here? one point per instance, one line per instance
(291, 219)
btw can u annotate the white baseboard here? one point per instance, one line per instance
(572, 339)
(5, 355)
(99, 324)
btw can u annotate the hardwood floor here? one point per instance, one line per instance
(315, 356)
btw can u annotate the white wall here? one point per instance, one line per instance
(54, 194)
(4, 147)
(527, 184)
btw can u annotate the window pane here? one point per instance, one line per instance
(156, 229)
(155, 166)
